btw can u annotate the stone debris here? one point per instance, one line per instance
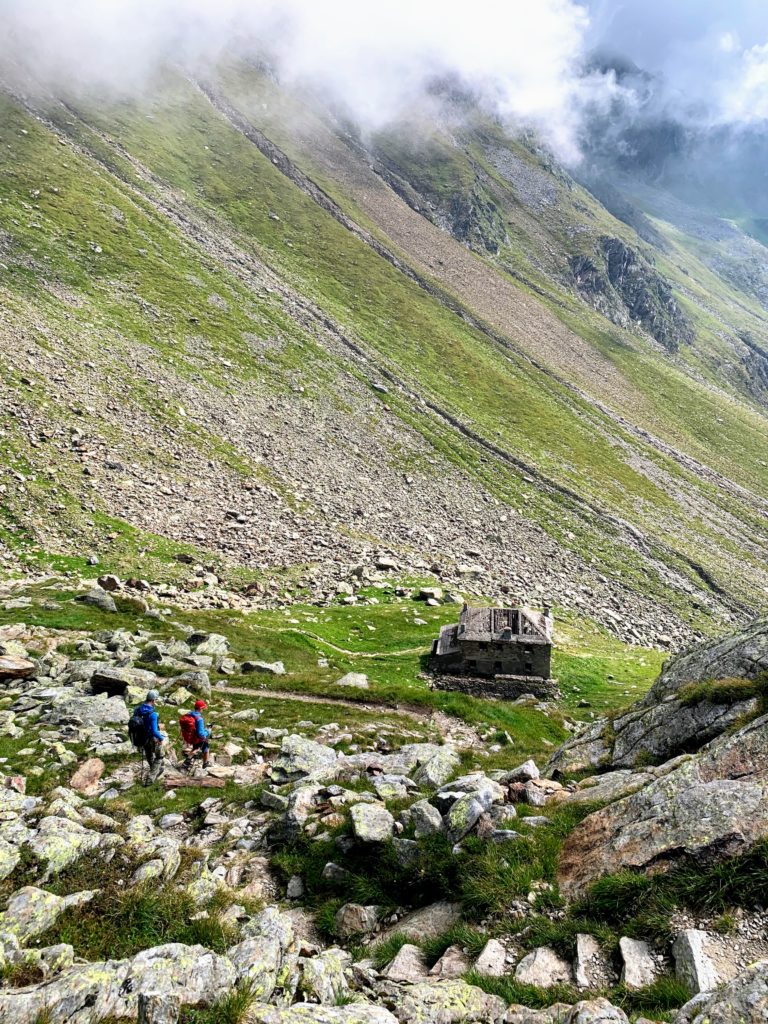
(328, 790)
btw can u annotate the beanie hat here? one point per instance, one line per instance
(200, 705)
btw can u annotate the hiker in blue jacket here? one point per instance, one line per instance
(154, 738)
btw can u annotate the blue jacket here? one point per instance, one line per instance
(149, 714)
(202, 732)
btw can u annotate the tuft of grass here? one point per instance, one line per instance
(725, 924)
(512, 991)
(17, 975)
(230, 1009)
(384, 952)
(641, 906)
(665, 994)
(119, 923)
(561, 934)
(725, 691)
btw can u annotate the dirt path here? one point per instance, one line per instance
(450, 728)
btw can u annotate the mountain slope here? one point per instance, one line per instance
(223, 329)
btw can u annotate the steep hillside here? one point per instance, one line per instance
(235, 330)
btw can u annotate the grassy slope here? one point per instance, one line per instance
(145, 266)
(510, 400)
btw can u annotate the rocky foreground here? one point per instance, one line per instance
(277, 863)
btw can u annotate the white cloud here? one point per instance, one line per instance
(374, 57)
(745, 95)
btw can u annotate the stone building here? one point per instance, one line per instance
(496, 652)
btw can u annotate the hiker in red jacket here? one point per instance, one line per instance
(195, 734)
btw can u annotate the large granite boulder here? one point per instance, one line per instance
(668, 721)
(743, 1001)
(742, 655)
(712, 806)
(97, 710)
(301, 758)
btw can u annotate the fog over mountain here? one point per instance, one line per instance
(709, 64)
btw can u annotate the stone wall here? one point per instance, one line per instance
(532, 658)
(502, 688)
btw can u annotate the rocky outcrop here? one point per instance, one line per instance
(743, 1001)
(672, 718)
(712, 806)
(622, 285)
(88, 992)
(309, 1013)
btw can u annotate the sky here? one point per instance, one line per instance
(712, 54)
(527, 58)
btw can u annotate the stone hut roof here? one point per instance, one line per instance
(495, 625)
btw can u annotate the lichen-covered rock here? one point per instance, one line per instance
(158, 1008)
(87, 992)
(307, 1013)
(438, 769)
(740, 655)
(604, 789)
(712, 806)
(196, 681)
(426, 819)
(447, 1002)
(213, 644)
(372, 823)
(32, 911)
(661, 724)
(10, 855)
(300, 758)
(743, 1001)
(260, 957)
(464, 813)
(323, 979)
(97, 710)
(59, 842)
